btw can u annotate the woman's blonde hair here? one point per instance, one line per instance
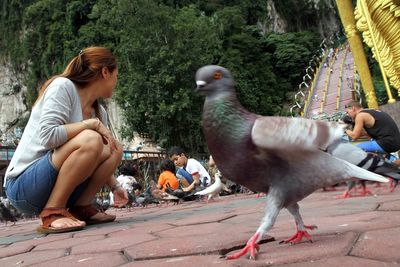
(85, 68)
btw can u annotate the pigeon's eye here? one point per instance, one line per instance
(217, 75)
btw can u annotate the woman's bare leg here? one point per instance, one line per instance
(108, 164)
(76, 160)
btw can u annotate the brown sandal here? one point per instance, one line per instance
(86, 213)
(49, 215)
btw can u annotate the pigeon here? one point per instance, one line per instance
(160, 195)
(283, 157)
(6, 214)
(146, 198)
(214, 189)
(369, 161)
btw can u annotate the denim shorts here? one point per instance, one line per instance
(30, 191)
(371, 146)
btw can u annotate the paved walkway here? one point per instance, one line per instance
(360, 231)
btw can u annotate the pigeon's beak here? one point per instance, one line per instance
(200, 85)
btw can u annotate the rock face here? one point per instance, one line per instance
(326, 19)
(12, 98)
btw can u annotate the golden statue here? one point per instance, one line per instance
(379, 22)
(346, 12)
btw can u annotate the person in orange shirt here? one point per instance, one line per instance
(167, 177)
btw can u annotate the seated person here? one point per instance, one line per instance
(199, 173)
(126, 178)
(167, 177)
(376, 124)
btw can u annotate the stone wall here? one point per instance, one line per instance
(12, 93)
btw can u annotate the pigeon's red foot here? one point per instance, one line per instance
(346, 194)
(251, 245)
(298, 237)
(366, 192)
(392, 185)
(261, 195)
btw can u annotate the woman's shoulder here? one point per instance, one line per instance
(61, 82)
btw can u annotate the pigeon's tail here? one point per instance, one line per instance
(360, 173)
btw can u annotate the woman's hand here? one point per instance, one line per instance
(120, 197)
(108, 138)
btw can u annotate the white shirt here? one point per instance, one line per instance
(126, 182)
(194, 167)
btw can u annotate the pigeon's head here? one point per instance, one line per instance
(212, 79)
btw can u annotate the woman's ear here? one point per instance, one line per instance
(105, 72)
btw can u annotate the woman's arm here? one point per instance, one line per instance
(120, 194)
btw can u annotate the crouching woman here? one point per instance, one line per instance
(67, 153)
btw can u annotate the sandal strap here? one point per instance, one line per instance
(84, 213)
(49, 215)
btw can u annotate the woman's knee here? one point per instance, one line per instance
(91, 141)
(88, 142)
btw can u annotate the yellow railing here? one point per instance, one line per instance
(354, 93)
(321, 109)
(340, 80)
(311, 89)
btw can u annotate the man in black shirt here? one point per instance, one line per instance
(376, 124)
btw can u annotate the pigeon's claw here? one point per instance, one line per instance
(346, 194)
(251, 245)
(393, 184)
(366, 192)
(298, 237)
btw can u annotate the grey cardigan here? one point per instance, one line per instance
(45, 131)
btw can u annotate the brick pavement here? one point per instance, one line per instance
(360, 231)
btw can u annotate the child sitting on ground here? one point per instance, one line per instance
(167, 178)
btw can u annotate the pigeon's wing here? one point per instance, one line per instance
(283, 133)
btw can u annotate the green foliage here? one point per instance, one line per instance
(291, 51)
(159, 45)
(157, 63)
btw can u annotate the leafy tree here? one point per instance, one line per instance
(156, 90)
(291, 51)
(159, 45)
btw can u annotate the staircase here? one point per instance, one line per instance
(333, 86)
